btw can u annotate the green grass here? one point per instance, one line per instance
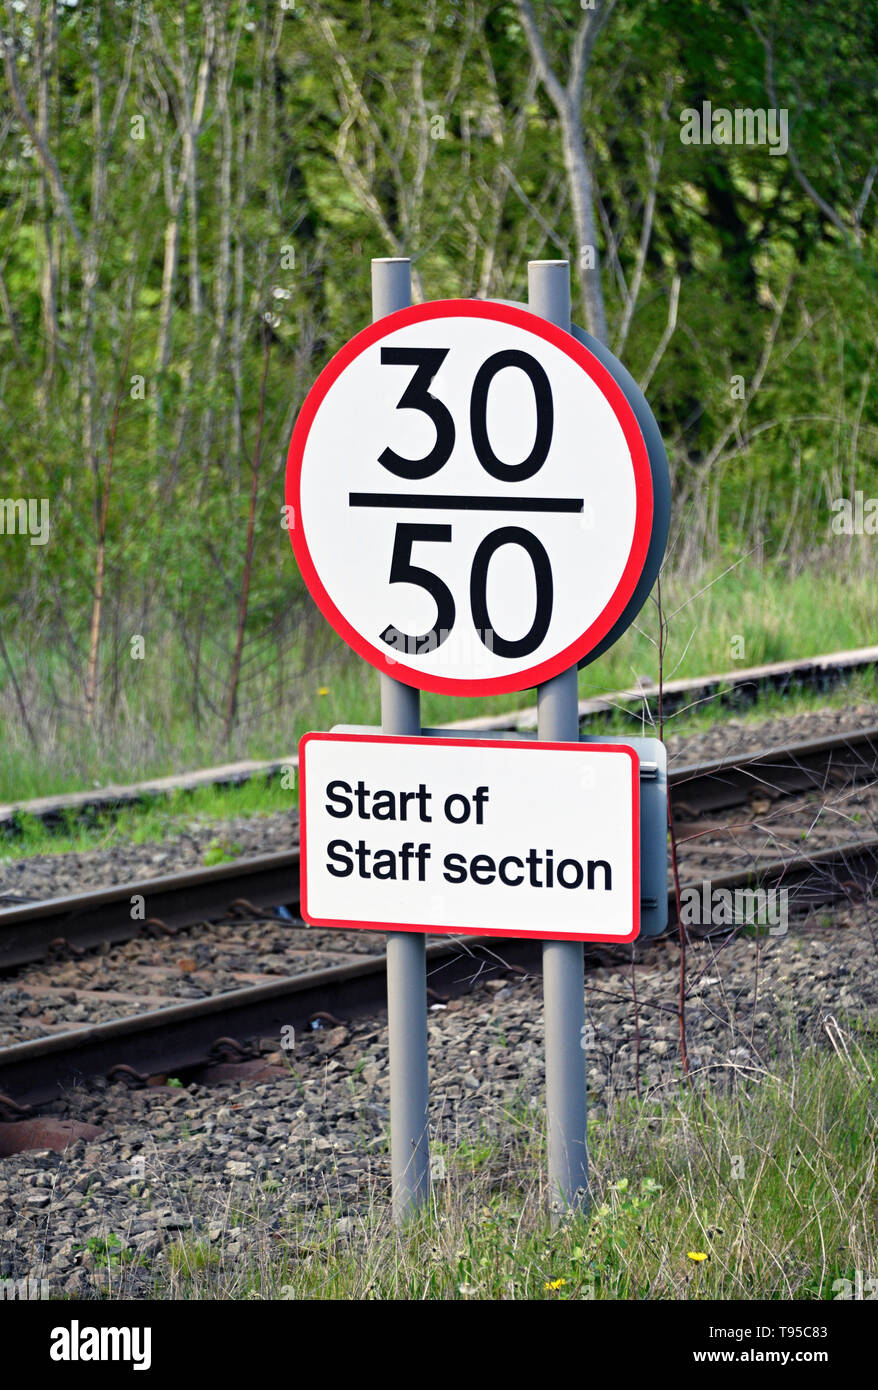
(776, 615)
(108, 1252)
(151, 821)
(158, 819)
(771, 1178)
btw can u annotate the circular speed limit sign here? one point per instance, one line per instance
(470, 497)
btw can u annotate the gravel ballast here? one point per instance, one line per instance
(177, 1162)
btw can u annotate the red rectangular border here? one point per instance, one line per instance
(433, 930)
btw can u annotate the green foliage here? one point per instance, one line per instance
(221, 851)
(133, 331)
(108, 1251)
(782, 617)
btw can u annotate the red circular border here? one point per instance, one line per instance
(520, 318)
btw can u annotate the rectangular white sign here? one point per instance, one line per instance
(483, 837)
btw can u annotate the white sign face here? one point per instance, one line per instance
(439, 835)
(469, 497)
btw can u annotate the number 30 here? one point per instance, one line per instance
(417, 396)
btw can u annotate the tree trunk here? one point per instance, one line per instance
(234, 676)
(579, 181)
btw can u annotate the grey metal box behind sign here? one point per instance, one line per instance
(653, 756)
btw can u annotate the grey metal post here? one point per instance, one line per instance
(563, 973)
(406, 951)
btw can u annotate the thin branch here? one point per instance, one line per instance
(18, 695)
(667, 335)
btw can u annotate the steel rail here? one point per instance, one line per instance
(809, 765)
(167, 904)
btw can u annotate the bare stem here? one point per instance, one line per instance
(681, 1002)
(234, 677)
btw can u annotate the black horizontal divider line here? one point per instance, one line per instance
(433, 501)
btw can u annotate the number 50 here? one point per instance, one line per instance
(417, 396)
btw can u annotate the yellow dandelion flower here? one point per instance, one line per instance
(323, 690)
(555, 1284)
(696, 1255)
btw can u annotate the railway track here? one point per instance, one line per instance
(177, 1036)
(173, 1039)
